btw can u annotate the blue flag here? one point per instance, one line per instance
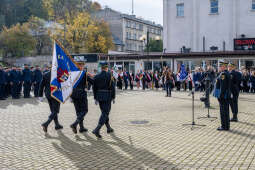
(65, 75)
(183, 73)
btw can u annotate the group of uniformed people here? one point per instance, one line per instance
(13, 80)
(103, 85)
(227, 92)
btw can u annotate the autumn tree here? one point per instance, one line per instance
(17, 41)
(85, 35)
(40, 33)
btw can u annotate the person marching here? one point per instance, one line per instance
(234, 89)
(125, 78)
(104, 94)
(79, 98)
(222, 92)
(53, 103)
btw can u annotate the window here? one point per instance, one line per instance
(127, 35)
(134, 36)
(214, 6)
(180, 10)
(253, 5)
(140, 26)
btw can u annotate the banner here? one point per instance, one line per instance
(65, 75)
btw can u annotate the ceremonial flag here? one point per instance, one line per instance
(183, 73)
(65, 75)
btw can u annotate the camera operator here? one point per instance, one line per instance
(208, 80)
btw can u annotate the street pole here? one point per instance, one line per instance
(147, 45)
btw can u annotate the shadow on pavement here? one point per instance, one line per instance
(91, 153)
(18, 102)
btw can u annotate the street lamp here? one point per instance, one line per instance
(143, 39)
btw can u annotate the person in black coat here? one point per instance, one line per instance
(104, 93)
(3, 82)
(14, 82)
(27, 76)
(53, 103)
(223, 83)
(80, 100)
(37, 78)
(234, 89)
(131, 79)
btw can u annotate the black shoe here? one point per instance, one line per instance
(2, 99)
(96, 133)
(45, 127)
(110, 130)
(58, 127)
(234, 120)
(74, 129)
(220, 129)
(83, 130)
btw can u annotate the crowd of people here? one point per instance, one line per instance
(13, 79)
(167, 79)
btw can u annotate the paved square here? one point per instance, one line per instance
(148, 135)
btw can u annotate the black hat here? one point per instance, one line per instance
(104, 64)
(231, 65)
(25, 64)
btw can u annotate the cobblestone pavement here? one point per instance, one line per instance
(161, 143)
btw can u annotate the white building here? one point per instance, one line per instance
(198, 25)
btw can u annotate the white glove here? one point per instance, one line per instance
(96, 102)
(41, 99)
(113, 101)
(70, 99)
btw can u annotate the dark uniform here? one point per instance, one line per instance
(80, 101)
(15, 82)
(7, 86)
(3, 82)
(234, 89)
(223, 84)
(104, 93)
(27, 82)
(54, 104)
(37, 78)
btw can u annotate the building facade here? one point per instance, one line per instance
(209, 25)
(127, 30)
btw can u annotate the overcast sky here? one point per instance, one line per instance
(147, 9)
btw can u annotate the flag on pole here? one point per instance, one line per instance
(65, 75)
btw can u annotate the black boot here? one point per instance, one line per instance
(109, 129)
(45, 127)
(82, 128)
(74, 127)
(96, 132)
(57, 125)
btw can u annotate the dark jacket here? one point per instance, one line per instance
(14, 76)
(45, 85)
(224, 79)
(104, 87)
(37, 76)
(27, 75)
(2, 77)
(234, 83)
(79, 91)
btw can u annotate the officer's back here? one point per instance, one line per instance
(103, 87)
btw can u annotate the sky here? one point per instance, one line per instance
(147, 9)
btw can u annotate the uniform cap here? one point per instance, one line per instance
(231, 65)
(104, 64)
(79, 59)
(223, 63)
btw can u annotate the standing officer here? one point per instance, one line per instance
(234, 89)
(7, 86)
(54, 104)
(27, 81)
(37, 78)
(223, 84)
(104, 93)
(79, 98)
(2, 83)
(14, 82)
